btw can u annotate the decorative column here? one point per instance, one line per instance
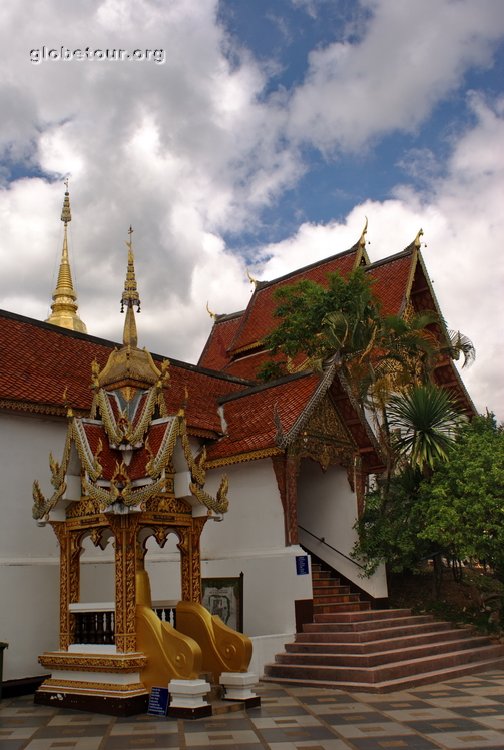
(287, 470)
(190, 560)
(124, 528)
(70, 551)
(360, 485)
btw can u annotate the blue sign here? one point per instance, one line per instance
(302, 565)
(159, 700)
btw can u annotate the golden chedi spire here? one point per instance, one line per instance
(64, 306)
(129, 365)
(130, 297)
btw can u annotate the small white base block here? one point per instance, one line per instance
(188, 693)
(238, 685)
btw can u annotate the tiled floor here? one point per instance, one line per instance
(467, 712)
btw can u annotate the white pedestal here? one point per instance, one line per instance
(187, 698)
(237, 685)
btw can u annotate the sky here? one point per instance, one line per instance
(256, 135)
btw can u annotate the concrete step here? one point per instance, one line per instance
(320, 583)
(334, 608)
(318, 632)
(363, 625)
(395, 670)
(401, 683)
(345, 659)
(336, 599)
(364, 617)
(333, 642)
(330, 590)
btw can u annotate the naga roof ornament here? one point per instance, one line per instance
(417, 241)
(362, 240)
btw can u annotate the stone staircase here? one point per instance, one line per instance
(353, 647)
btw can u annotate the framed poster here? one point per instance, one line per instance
(224, 597)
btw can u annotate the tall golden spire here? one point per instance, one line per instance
(64, 306)
(129, 365)
(130, 297)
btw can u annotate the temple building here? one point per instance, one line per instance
(222, 484)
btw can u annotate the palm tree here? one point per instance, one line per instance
(427, 421)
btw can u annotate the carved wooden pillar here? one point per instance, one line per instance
(70, 550)
(360, 485)
(287, 471)
(124, 528)
(190, 560)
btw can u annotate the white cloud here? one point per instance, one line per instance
(413, 54)
(189, 152)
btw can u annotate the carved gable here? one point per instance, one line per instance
(325, 439)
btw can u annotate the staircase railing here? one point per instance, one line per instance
(375, 585)
(322, 540)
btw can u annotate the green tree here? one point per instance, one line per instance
(378, 354)
(427, 420)
(425, 424)
(463, 503)
(305, 323)
(388, 528)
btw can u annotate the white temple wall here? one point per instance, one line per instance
(250, 540)
(255, 518)
(327, 507)
(29, 555)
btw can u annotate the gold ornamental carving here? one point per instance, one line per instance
(118, 663)
(125, 530)
(93, 687)
(166, 504)
(325, 439)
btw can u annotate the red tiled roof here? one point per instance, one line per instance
(94, 433)
(109, 457)
(251, 418)
(259, 318)
(214, 354)
(391, 282)
(247, 367)
(247, 328)
(45, 367)
(156, 434)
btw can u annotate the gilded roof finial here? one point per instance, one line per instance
(251, 278)
(64, 306)
(130, 367)
(212, 314)
(130, 296)
(362, 241)
(417, 242)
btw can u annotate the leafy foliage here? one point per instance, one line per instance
(388, 528)
(427, 420)
(458, 510)
(317, 320)
(463, 504)
(378, 354)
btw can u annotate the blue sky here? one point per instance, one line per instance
(267, 134)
